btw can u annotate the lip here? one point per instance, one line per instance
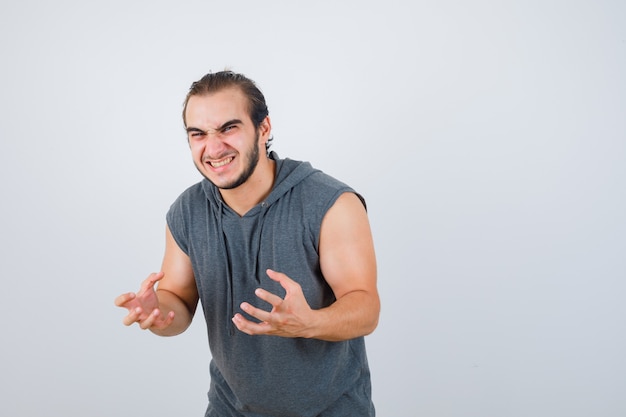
(219, 164)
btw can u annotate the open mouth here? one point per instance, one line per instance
(220, 163)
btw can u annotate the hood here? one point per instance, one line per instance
(289, 173)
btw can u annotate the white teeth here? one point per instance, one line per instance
(221, 163)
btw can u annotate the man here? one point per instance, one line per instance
(282, 259)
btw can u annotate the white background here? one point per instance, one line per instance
(488, 137)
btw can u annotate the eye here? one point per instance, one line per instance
(196, 135)
(229, 128)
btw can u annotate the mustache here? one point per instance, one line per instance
(221, 157)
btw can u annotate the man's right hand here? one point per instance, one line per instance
(143, 306)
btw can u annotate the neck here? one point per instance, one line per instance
(254, 190)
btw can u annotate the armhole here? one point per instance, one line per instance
(331, 202)
(176, 227)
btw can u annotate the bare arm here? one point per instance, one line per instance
(177, 291)
(348, 264)
(169, 310)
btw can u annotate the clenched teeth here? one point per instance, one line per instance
(221, 163)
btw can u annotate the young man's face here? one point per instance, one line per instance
(224, 143)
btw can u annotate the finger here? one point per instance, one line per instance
(255, 312)
(148, 283)
(160, 323)
(152, 279)
(250, 327)
(124, 298)
(241, 324)
(168, 319)
(132, 317)
(287, 283)
(149, 321)
(157, 276)
(276, 276)
(267, 296)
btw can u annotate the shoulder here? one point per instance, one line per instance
(192, 193)
(189, 200)
(328, 188)
(181, 213)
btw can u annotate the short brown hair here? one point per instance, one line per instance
(214, 82)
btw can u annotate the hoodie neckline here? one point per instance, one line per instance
(288, 174)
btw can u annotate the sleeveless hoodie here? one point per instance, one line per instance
(269, 375)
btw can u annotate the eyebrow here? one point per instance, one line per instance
(222, 127)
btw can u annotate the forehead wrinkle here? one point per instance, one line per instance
(215, 130)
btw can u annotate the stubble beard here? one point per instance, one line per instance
(253, 160)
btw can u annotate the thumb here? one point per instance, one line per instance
(152, 279)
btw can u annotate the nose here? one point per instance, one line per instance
(214, 146)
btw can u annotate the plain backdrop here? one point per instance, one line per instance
(488, 137)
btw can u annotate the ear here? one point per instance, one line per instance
(265, 129)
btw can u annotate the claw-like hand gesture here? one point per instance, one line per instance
(143, 307)
(289, 317)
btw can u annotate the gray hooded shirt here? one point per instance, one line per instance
(269, 375)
